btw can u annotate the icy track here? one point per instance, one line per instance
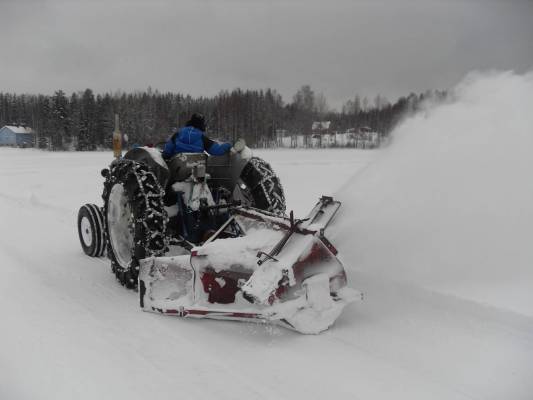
(436, 230)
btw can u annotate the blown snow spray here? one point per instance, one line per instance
(117, 140)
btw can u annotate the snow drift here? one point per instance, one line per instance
(449, 204)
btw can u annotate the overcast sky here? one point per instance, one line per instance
(340, 48)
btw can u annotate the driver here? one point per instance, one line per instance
(192, 139)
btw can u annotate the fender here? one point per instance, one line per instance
(226, 170)
(153, 158)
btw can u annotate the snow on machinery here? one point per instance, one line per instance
(207, 237)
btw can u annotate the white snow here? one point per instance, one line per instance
(156, 155)
(19, 129)
(436, 231)
(223, 253)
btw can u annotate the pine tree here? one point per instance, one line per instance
(104, 120)
(59, 120)
(86, 138)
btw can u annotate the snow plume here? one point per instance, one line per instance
(449, 205)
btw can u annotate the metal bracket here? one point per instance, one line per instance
(267, 256)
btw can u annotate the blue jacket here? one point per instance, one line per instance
(192, 140)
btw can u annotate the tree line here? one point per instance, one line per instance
(85, 120)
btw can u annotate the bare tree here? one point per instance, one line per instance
(321, 105)
(304, 99)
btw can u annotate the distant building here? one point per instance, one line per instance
(320, 134)
(21, 136)
(320, 126)
(365, 137)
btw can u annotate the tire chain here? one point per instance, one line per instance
(271, 186)
(150, 213)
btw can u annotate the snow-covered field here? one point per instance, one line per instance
(436, 230)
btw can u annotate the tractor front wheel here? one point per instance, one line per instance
(91, 230)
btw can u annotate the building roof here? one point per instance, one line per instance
(19, 129)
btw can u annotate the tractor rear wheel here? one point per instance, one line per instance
(135, 218)
(263, 186)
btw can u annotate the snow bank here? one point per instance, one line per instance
(450, 204)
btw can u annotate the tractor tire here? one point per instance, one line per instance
(264, 186)
(135, 218)
(91, 230)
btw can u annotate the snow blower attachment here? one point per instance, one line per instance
(278, 269)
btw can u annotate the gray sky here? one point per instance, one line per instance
(201, 47)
